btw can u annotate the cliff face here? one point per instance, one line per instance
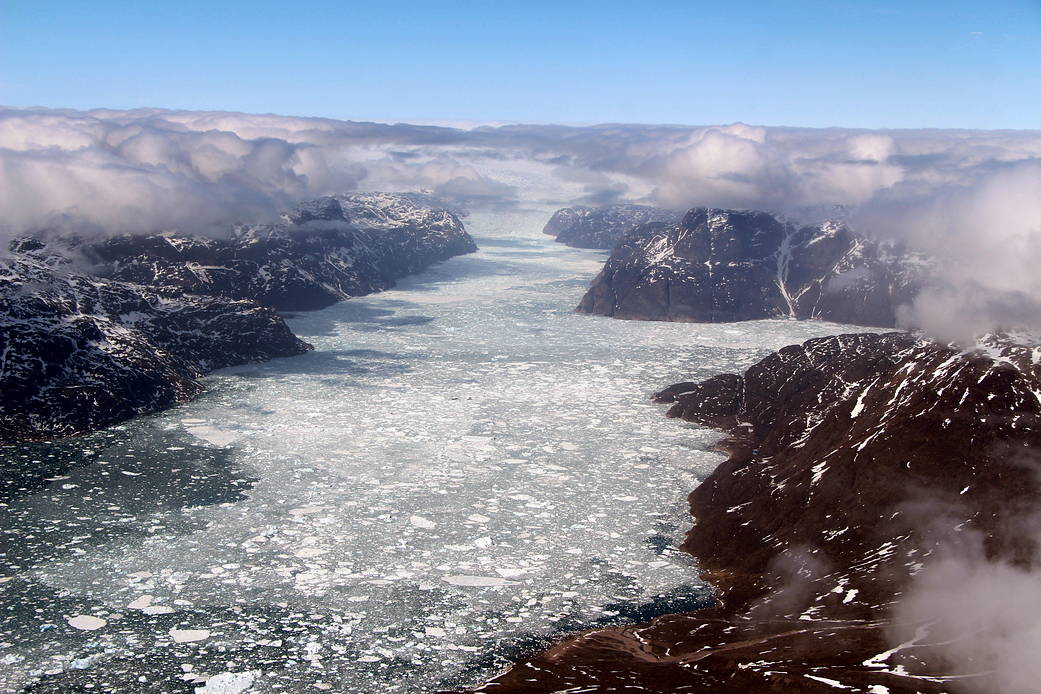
(82, 351)
(326, 251)
(602, 227)
(728, 265)
(78, 353)
(856, 461)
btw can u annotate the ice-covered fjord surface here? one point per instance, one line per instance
(461, 468)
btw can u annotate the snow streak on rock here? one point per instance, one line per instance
(728, 265)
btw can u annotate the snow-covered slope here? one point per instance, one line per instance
(725, 265)
(602, 227)
(79, 352)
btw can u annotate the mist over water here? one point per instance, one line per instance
(462, 467)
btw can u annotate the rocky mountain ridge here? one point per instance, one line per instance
(325, 251)
(858, 464)
(719, 265)
(602, 227)
(95, 331)
(78, 352)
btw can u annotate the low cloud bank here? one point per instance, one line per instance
(985, 233)
(983, 620)
(972, 199)
(975, 606)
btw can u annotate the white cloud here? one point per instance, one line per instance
(970, 197)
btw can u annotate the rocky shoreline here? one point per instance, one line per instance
(857, 465)
(82, 352)
(96, 331)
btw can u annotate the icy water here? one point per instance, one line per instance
(462, 469)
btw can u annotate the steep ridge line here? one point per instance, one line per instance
(720, 265)
(96, 331)
(857, 464)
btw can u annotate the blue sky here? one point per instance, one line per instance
(810, 63)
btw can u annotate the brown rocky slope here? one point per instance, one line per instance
(855, 461)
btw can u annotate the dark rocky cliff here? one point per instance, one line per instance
(602, 227)
(730, 265)
(143, 316)
(855, 461)
(78, 353)
(327, 250)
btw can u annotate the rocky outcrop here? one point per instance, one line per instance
(78, 352)
(730, 265)
(326, 250)
(132, 334)
(602, 227)
(857, 463)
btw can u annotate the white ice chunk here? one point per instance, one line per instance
(511, 573)
(214, 436)
(481, 581)
(86, 622)
(189, 635)
(306, 510)
(158, 609)
(227, 683)
(141, 603)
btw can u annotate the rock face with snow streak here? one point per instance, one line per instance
(602, 227)
(78, 352)
(82, 351)
(326, 250)
(855, 461)
(729, 265)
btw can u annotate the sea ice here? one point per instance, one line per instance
(477, 581)
(86, 622)
(421, 522)
(227, 683)
(141, 603)
(462, 463)
(189, 635)
(158, 609)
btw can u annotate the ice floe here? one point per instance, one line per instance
(86, 622)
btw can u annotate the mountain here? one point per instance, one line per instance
(325, 251)
(861, 469)
(719, 265)
(602, 227)
(95, 331)
(78, 352)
